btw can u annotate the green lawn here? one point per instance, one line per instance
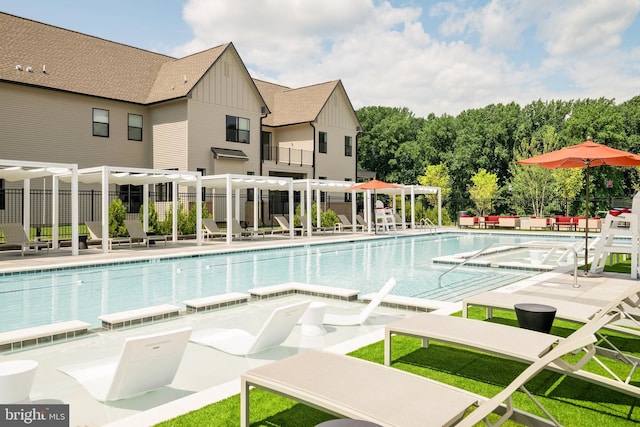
(573, 402)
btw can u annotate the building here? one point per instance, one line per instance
(73, 98)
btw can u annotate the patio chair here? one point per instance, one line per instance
(239, 342)
(238, 231)
(363, 315)
(284, 225)
(314, 228)
(211, 228)
(137, 232)
(519, 344)
(95, 235)
(348, 224)
(145, 363)
(569, 310)
(354, 388)
(361, 222)
(15, 236)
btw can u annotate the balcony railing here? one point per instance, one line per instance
(288, 156)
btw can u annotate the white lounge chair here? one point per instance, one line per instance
(137, 232)
(15, 236)
(95, 235)
(363, 315)
(145, 363)
(565, 309)
(211, 228)
(348, 224)
(240, 342)
(515, 343)
(284, 225)
(354, 388)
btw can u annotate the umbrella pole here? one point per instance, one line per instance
(586, 229)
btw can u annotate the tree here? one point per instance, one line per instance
(436, 176)
(483, 190)
(384, 130)
(531, 185)
(568, 184)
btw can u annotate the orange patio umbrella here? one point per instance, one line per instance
(585, 155)
(374, 185)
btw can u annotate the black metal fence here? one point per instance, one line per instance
(270, 203)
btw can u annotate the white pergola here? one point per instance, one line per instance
(15, 170)
(306, 188)
(232, 183)
(411, 190)
(106, 175)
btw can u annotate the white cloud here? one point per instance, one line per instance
(384, 56)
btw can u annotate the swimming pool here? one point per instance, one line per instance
(32, 299)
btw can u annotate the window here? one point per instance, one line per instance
(322, 193)
(131, 196)
(100, 122)
(347, 195)
(164, 190)
(135, 127)
(322, 147)
(348, 147)
(266, 146)
(250, 195)
(237, 129)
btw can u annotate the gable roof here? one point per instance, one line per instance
(293, 106)
(56, 58)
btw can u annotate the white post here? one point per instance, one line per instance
(176, 200)
(199, 210)
(229, 210)
(105, 210)
(55, 218)
(74, 212)
(26, 208)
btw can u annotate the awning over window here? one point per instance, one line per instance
(227, 153)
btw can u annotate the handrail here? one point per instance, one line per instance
(428, 223)
(550, 245)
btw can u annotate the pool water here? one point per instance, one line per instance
(33, 299)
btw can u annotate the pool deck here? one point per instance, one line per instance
(207, 375)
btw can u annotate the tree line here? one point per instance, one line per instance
(472, 155)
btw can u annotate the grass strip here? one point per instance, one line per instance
(572, 401)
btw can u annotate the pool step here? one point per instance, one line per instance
(40, 335)
(215, 302)
(421, 305)
(303, 289)
(139, 316)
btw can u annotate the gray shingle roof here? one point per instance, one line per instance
(74, 62)
(291, 106)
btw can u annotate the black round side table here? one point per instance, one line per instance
(537, 317)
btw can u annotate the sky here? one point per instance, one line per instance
(439, 57)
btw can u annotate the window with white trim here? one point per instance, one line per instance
(135, 127)
(100, 122)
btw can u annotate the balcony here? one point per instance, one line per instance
(287, 156)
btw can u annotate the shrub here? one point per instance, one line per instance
(117, 215)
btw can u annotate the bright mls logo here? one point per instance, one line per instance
(34, 415)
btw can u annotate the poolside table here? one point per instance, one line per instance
(536, 317)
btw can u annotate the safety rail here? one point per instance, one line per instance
(427, 223)
(555, 245)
